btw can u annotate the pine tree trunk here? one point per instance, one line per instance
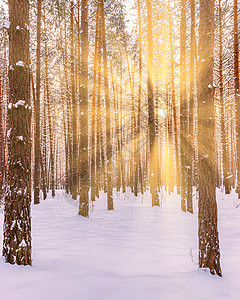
(183, 108)
(49, 118)
(108, 119)
(37, 147)
(74, 111)
(84, 168)
(151, 114)
(2, 140)
(209, 252)
(121, 126)
(191, 108)
(226, 176)
(236, 89)
(98, 120)
(173, 102)
(93, 142)
(17, 220)
(138, 131)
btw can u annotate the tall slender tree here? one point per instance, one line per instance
(108, 117)
(74, 109)
(190, 153)
(17, 220)
(151, 113)
(84, 168)
(37, 147)
(209, 252)
(236, 88)
(183, 108)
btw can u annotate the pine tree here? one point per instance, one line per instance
(17, 220)
(37, 148)
(209, 252)
(84, 169)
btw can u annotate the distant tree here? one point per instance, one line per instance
(151, 108)
(37, 147)
(84, 155)
(236, 88)
(74, 107)
(183, 108)
(108, 116)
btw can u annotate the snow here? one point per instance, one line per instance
(20, 138)
(7, 25)
(23, 244)
(19, 103)
(9, 133)
(20, 63)
(134, 252)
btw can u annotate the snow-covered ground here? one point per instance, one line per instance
(134, 252)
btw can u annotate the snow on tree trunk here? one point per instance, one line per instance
(17, 220)
(84, 168)
(209, 252)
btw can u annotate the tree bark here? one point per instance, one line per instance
(209, 252)
(37, 147)
(84, 167)
(183, 108)
(108, 119)
(17, 220)
(151, 113)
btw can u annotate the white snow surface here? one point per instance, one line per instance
(20, 63)
(7, 24)
(135, 252)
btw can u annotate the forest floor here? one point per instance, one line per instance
(135, 252)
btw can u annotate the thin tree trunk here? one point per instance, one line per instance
(191, 107)
(236, 89)
(174, 100)
(108, 119)
(2, 140)
(151, 115)
(49, 118)
(37, 147)
(183, 108)
(84, 167)
(226, 177)
(74, 111)
(93, 150)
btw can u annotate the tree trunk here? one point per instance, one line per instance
(74, 111)
(226, 177)
(17, 220)
(2, 141)
(37, 147)
(151, 114)
(49, 118)
(236, 89)
(173, 102)
(191, 107)
(183, 108)
(108, 119)
(209, 252)
(84, 168)
(93, 142)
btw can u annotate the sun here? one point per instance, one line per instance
(161, 112)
